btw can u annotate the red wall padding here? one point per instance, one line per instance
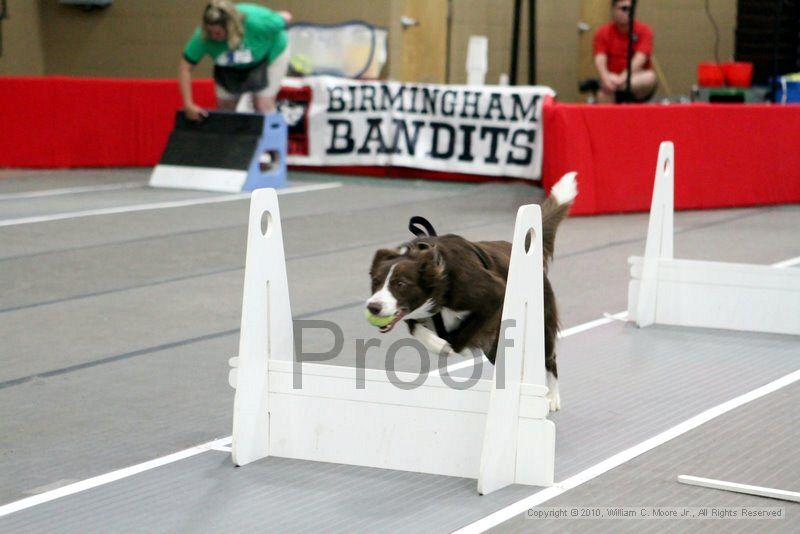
(51, 122)
(725, 154)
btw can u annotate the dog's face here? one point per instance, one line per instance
(403, 281)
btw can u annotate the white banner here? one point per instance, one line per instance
(482, 130)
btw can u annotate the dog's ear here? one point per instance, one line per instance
(386, 254)
(431, 261)
(421, 246)
(383, 255)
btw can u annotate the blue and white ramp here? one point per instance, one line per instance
(228, 152)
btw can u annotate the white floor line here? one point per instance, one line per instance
(100, 480)
(160, 205)
(619, 316)
(609, 318)
(72, 190)
(791, 262)
(457, 366)
(618, 459)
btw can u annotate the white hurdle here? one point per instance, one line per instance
(733, 296)
(499, 435)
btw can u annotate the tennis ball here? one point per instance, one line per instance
(302, 64)
(378, 320)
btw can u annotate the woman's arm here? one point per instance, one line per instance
(193, 111)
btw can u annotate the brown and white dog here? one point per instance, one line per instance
(465, 281)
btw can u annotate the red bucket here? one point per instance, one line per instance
(710, 75)
(738, 74)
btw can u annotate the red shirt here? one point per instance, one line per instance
(613, 43)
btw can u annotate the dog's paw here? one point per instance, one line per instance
(473, 353)
(554, 401)
(566, 189)
(553, 395)
(432, 342)
(442, 348)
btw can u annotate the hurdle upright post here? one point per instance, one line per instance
(521, 364)
(659, 234)
(266, 327)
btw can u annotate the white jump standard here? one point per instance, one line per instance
(733, 296)
(499, 435)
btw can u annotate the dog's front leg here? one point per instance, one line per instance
(432, 342)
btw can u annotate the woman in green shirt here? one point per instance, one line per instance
(249, 46)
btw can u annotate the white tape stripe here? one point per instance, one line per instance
(113, 476)
(160, 205)
(72, 190)
(620, 316)
(788, 263)
(618, 459)
(457, 366)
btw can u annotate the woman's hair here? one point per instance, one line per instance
(223, 13)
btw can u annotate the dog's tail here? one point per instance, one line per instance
(555, 209)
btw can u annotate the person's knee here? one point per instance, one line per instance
(647, 78)
(644, 84)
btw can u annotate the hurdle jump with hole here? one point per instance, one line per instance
(733, 296)
(499, 435)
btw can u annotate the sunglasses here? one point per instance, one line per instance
(624, 9)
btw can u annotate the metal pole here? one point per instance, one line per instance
(532, 42)
(631, 20)
(3, 15)
(515, 43)
(775, 45)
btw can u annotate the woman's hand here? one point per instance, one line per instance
(195, 112)
(609, 82)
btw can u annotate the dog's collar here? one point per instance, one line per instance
(421, 227)
(481, 256)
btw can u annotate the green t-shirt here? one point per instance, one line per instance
(264, 37)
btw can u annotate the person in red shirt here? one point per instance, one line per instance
(611, 56)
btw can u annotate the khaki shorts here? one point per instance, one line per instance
(276, 72)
